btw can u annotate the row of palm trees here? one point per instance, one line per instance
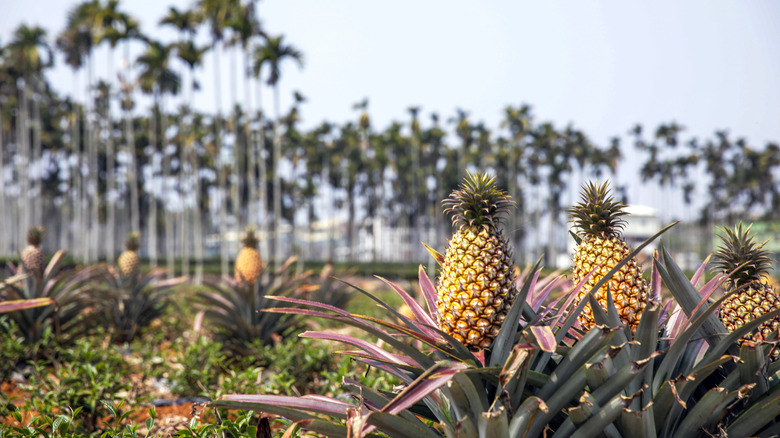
(95, 167)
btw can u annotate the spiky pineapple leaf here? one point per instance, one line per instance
(10, 306)
(689, 298)
(501, 346)
(439, 257)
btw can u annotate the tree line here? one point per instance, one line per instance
(94, 166)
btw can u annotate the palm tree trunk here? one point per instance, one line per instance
(37, 153)
(170, 239)
(23, 169)
(237, 170)
(185, 178)
(251, 144)
(4, 250)
(151, 225)
(262, 202)
(223, 255)
(197, 227)
(132, 172)
(110, 177)
(277, 183)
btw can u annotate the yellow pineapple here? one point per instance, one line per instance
(249, 264)
(598, 220)
(751, 294)
(129, 263)
(476, 288)
(32, 256)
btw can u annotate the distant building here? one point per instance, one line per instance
(642, 222)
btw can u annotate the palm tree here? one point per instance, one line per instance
(518, 122)
(186, 22)
(157, 78)
(116, 26)
(29, 53)
(217, 14)
(245, 27)
(273, 51)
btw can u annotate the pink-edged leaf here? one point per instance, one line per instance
(305, 312)
(655, 281)
(544, 337)
(416, 308)
(53, 263)
(570, 297)
(700, 272)
(431, 380)
(261, 402)
(430, 294)
(537, 299)
(359, 343)
(308, 303)
(436, 254)
(10, 306)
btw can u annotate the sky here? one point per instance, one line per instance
(602, 66)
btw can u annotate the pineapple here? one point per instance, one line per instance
(129, 263)
(598, 218)
(249, 264)
(750, 293)
(476, 286)
(32, 256)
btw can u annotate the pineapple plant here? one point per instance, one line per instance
(749, 293)
(33, 259)
(128, 261)
(476, 287)
(249, 264)
(598, 218)
(233, 307)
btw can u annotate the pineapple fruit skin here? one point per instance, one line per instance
(748, 304)
(628, 288)
(33, 260)
(476, 286)
(249, 264)
(128, 263)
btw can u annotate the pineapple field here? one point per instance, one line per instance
(477, 347)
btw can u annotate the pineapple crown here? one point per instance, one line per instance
(34, 236)
(742, 254)
(478, 202)
(250, 240)
(133, 241)
(597, 213)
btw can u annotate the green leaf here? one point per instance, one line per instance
(493, 424)
(502, 345)
(525, 415)
(712, 330)
(757, 416)
(697, 416)
(638, 424)
(602, 418)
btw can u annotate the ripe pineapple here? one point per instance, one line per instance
(598, 218)
(32, 256)
(476, 287)
(751, 294)
(129, 263)
(249, 264)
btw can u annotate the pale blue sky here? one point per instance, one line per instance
(601, 65)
